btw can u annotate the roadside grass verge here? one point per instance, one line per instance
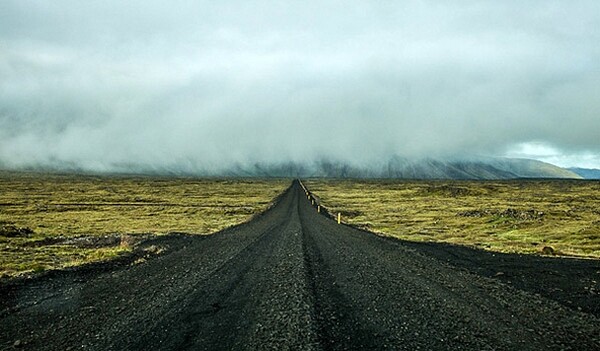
(42, 214)
(560, 217)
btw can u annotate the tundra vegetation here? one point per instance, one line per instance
(555, 217)
(50, 221)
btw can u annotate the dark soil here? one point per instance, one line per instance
(291, 280)
(572, 282)
(9, 230)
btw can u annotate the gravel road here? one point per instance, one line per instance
(290, 279)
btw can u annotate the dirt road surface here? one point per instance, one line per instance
(292, 279)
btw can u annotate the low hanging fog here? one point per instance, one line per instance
(202, 86)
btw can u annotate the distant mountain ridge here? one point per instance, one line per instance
(586, 173)
(402, 168)
(395, 167)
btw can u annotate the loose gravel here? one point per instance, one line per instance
(291, 279)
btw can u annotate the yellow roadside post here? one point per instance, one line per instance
(339, 218)
(312, 202)
(318, 208)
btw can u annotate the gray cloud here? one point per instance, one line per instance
(195, 85)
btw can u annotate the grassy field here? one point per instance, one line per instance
(522, 216)
(53, 221)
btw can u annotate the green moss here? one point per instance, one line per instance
(67, 205)
(509, 216)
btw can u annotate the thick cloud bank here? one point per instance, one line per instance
(196, 86)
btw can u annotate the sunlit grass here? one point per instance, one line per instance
(508, 216)
(17, 259)
(70, 206)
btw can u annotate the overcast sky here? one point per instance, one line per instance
(198, 85)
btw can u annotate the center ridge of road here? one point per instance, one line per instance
(290, 279)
